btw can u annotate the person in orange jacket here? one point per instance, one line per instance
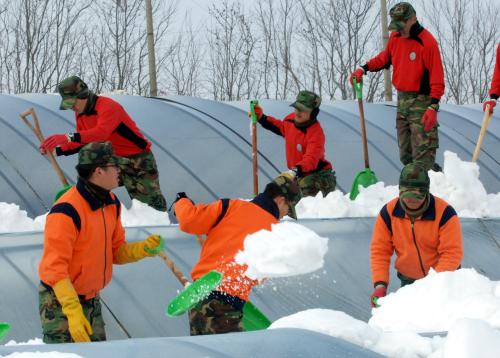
(226, 224)
(422, 229)
(84, 237)
(495, 84)
(304, 144)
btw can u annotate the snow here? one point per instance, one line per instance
(458, 184)
(16, 220)
(289, 249)
(446, 296)
(463, 303)
(36, 341)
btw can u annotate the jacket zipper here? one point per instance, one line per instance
(416, 246)
(105, 245)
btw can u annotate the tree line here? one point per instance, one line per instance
(259, 49)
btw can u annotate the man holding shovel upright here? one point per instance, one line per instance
(419, 78)
(422, 229)
(304, 143)
(103, 119)
(495, 84)
(226, 224)
(84, 237)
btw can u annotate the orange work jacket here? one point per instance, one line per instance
(81, 239)
(226, 238)
(434, 240)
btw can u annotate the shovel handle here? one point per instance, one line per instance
(177, 273)
(482, 132)
(254, 103)
(38, 133)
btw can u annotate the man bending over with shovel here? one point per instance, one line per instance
(100, 119)
(305, 144)
(84, 237)
(226, 224)
(422, 229)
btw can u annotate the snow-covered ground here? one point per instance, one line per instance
(463, 305)
(458, 184)
(36, 341)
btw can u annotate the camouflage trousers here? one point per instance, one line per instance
(323, 180)
(141, 178)
(415, 145)
(54, 321)
(213, 316)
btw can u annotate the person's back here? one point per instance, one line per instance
(227, 223)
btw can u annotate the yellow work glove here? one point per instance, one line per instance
(79, 327)
(136, 251)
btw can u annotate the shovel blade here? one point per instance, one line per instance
(194, 293)
(62, 191)
(253, 318)
(4, 328)
(364, 178)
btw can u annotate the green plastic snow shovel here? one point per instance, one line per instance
(62, 191)
(253, 319)
(4, 328)
(366, 177)
(194, 293)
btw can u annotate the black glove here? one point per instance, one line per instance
(298, 171)
(181, 195)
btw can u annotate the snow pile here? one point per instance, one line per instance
(438, 300)
(31, 342)
(15, 220)
(467, 338)
(141, 214)
(458, 184)
(34, 342)
(463, 303)
(289, 249)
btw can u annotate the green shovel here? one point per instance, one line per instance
(253, 319)
(4, 328)
(194, 293)
(366, 177)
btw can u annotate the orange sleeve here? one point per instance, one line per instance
(450, 246)
(381, 250)
(60, 237)
(197, 219)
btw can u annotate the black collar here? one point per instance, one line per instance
(93, 202)
(429, 214)
(415, 31)
(268, 204)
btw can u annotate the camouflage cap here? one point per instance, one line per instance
(306, 101)
(70, 89)
(414, 182)
(399, 14)
(291, 191)
(99, 153)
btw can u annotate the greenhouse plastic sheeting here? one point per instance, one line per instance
(203, 147)
(134, 302)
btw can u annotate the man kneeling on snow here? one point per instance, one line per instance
(227, 223)
(84, 237)
(422, 229)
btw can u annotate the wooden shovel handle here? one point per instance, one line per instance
(38, 133)
(177, 273)
(482, 132)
